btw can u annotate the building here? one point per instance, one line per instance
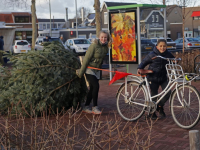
(192, 21)
(56, 25)
(22, 22)
(191, 24)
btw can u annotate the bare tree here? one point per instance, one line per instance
(184, 4)
(86, 11)
(97, 16)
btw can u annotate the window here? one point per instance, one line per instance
(40, 26)
(44, 26)
(81, 42)
(82, 36)
(196, 18)
(54, 25)
(21, 19)
(60, 25)
(105, 18)
(22, 43)
(157, 18)
(153, 18)
(48, 26)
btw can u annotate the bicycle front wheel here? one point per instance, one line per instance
(186, 110)
(132, 108)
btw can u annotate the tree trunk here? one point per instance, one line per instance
(183, 30)
(97, 16)
(34, 27)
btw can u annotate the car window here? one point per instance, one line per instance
(196, 40)
(81, 42)
(54, 39)
(177, 41)
(181, 41)
(169, 40)
(143, 42)
(154, 40)
(190, 39)
(22, 43)
(149, 42)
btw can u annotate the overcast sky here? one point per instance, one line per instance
(58, 6)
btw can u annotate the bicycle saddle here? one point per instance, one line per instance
(144, 72)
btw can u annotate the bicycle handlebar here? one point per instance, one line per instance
(166, 58)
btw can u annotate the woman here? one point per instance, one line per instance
(94, 58)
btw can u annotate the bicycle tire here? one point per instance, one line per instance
(186, 116)
(130, 111)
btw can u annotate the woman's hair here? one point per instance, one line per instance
(108, 38)
(161, 40)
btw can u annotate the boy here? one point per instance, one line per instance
(159, 75)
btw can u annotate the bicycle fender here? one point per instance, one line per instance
(128, 83)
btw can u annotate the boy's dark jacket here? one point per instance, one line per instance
(157, 65)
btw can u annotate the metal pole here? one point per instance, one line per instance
(50, 14)
(194, 140)
(76, 20)
(165, 29)
(138, 36)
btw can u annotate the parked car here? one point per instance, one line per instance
(190, 43)
(78, 45)
(146, 45)
(91, 39)
(21, 46)
(170, 43)
(40, 40)
(198, 37)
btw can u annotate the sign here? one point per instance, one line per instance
(123, 32)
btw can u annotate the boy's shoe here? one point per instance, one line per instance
(161, 111)
(152, 116)
(86, 109)
(96, 111)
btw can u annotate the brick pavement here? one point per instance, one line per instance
(168, 135)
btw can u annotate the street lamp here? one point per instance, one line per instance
(50, 15)
(76, 20)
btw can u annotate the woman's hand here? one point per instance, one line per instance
(77, 72)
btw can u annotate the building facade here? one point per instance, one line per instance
(22, 21)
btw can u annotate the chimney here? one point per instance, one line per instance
(66, 13)
(82, 13)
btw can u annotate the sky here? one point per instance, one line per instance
(58, 6)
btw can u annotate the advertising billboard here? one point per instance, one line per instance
(123, 32)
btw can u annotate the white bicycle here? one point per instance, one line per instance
(134, 98)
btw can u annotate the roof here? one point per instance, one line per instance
(52, 20)
(91, 16)
(110, 4)
(7, 18)
(195, 14)
(135, 6)
(21, 13)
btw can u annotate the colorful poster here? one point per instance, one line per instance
(123, 27)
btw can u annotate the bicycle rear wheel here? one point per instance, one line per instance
(133, 109)
(187, 114)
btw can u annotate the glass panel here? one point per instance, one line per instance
(22, 43)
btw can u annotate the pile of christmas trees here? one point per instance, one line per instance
(42, 79)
